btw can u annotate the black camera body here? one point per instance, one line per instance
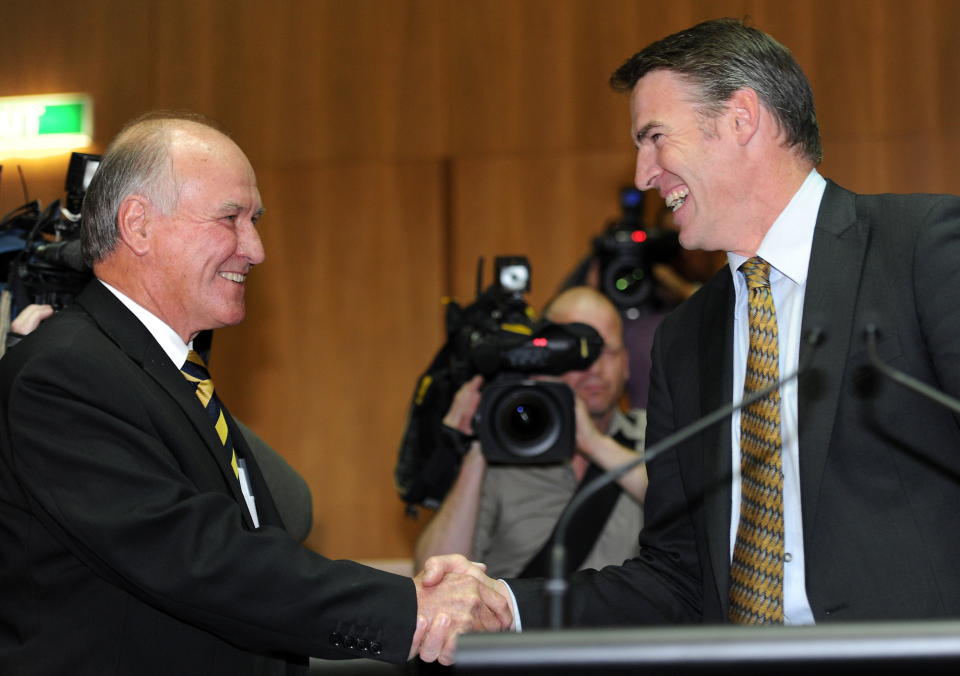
(626, 252)
(523, 421)
(47, 266)
(518, 420)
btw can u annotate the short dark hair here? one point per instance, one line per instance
(137, 160)
(722, 56)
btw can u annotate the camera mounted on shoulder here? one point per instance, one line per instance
(40, 254)
(40, 258)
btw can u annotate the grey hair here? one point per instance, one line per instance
(722, 56)
(137, 162)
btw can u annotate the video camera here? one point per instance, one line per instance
(627, 251)
(519, 420)
(40, 248)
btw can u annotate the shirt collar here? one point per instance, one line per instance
(786, 246)
(169, 340)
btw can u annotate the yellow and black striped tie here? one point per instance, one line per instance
(195, 371)
(756, 571)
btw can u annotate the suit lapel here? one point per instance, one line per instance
(715, 367)
(833, 279)
(132, 337)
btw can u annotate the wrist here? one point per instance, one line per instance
(458, 440)
(593, 442)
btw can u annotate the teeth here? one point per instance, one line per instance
(233, 276)
(676, 198)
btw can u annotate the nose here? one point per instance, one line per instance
(647, 169)
(249, 245)
(594, 368)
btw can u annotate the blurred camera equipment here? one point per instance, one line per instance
(500, 337)
(521, 420)
(46, 266)
(626, 252)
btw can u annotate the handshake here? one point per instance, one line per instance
(455, 595)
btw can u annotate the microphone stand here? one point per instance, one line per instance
(556, 585)
(908, 381)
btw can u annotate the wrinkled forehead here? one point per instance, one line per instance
(212, 161)
(663, 88)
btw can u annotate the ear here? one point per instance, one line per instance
(746, 109)
(133, 221)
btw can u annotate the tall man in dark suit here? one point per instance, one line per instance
(838, 492)
(137, 534)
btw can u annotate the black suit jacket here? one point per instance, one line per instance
(124, 548)
(879, 466)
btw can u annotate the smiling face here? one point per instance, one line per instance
(201, 253)
(690, 159)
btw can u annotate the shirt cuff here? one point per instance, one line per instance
(517, 626)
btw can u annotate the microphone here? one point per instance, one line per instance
(64, 254)
(870, 332)
(556, 585)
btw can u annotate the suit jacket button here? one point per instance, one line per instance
(375, 648)
(336, 640)
(349, 642)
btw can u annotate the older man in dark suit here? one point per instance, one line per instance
(137, 534)
(833, 497)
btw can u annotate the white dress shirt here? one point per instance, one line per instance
(786, 247)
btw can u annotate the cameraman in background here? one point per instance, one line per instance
(504, 514)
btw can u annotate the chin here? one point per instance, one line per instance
(232, 318)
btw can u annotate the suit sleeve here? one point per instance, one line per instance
(115, 472)
(936, 276)
(661, 585)
(487, 515)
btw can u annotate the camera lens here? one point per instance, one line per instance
(524, 422)
(527, 420)
(627, 283)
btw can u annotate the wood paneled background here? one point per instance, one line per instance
(397, 140)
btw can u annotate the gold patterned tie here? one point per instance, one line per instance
(195, 371)
(756, 571)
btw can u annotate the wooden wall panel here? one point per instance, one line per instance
(326, 362)
(546, 207)
(304, 81)
(101, 47)
(397, 140)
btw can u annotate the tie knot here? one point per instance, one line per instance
(757, 272)
(195, 368)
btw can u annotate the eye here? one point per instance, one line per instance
(656, 137)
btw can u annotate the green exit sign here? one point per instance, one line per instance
(47, 122)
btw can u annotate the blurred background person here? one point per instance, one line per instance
(504, 514)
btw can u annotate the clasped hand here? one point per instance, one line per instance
(454, 595)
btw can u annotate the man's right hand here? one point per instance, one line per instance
(30, 318)
(455, 595)
(464, 406)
